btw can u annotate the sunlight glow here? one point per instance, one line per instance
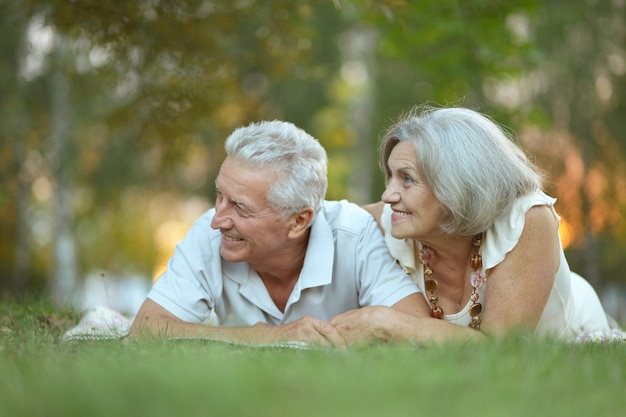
(180, 216)
(42, 189)
(354, 73)
(604, 88)
(617, 64)
(566, 232)
(41, 41)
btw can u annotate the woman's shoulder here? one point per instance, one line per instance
(535, 210)
(536, 198)
(539, 216)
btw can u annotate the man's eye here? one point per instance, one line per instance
(242, 211)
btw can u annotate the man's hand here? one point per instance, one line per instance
(309, 330)
(153, 321)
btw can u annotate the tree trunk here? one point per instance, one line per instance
(358, 49)
(23, 219)
(64, 275)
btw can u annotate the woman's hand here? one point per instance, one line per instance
(369, 324)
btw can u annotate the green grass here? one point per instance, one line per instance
(40, 376)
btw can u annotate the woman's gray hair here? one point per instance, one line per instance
(469, 162)
(295, 159)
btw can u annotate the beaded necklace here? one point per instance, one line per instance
(477, 278)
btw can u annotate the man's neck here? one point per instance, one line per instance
(282, 271)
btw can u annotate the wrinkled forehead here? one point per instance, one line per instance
(403, 156)
(390, 143)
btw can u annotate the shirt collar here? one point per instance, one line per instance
(320, 254)
(317, 269)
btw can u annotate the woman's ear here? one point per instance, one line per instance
(299, 222)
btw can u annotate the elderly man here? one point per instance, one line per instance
(273, 261)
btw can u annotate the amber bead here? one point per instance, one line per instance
(475, 310)
(474, 325)
(476, 261)
(437, 312)
(431, 284)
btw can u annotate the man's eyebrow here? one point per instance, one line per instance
(241, 203)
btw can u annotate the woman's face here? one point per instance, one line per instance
(416, 213)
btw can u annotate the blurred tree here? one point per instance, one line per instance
(429, 51)
(579, 85)
(155, 86)
(148, 84)
(64, 277)
(15, 166)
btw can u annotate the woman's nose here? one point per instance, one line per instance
(391, 194)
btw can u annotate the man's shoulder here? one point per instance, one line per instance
(346, 215)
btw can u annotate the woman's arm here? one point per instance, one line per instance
(518, 288)
(369, 324)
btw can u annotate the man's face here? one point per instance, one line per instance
(251, 230)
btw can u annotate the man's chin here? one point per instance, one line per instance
(230, 255)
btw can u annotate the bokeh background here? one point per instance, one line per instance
(113, 116)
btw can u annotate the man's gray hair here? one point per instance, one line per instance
(295, 160)
(469, 162)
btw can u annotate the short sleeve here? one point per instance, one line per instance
(502, 237)
(383, 281)
(192, 281)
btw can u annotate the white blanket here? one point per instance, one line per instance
(99, 323)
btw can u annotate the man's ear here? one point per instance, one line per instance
(299, 222)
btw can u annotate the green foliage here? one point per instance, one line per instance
(453, 45)
(185, 59)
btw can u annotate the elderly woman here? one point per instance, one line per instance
(463, 212)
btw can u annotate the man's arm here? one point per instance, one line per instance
(154, 321)
(414, 304)
(376, 210)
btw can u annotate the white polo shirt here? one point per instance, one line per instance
(346, 266)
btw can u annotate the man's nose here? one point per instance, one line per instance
(222, 218)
